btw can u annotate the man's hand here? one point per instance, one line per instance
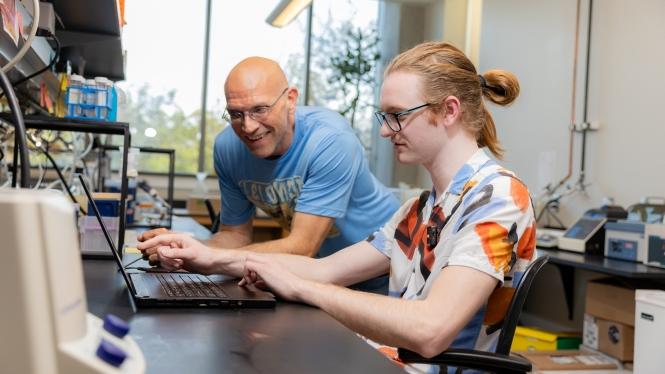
(260, 270)
(150, 253)
(179, 251)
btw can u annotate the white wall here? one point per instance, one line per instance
(627, 76)
(434, 14)
(535, 40)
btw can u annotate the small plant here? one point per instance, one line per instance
(354, 54)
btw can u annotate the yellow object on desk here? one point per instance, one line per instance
(131, 250)
(531, 339)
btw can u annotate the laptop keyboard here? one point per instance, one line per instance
(188, 285)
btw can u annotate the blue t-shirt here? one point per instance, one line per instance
(324, 172)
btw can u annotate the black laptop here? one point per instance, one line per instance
(182, 289)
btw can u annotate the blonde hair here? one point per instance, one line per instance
(446, 71)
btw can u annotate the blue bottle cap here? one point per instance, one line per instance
(116, 326)
(111, 353)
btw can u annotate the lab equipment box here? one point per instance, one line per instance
(649, 331)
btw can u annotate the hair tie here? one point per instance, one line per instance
(483, 82)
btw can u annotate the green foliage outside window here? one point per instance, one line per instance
(173, 127)
(354, 54)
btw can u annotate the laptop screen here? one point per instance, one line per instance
(109, 240)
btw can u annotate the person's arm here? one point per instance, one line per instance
(307, 234)
(426, 326)
(232, 236)
(348, 266)
(308, 231)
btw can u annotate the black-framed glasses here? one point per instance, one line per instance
(392, 119)
(258, 113)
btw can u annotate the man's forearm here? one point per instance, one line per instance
(228, 239)
(235, 240)
(285, 245)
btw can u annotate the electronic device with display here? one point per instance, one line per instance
(587, 235)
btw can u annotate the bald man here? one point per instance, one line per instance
(304, 166)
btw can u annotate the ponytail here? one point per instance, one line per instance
(502, 88)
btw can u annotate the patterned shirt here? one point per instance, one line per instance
(484, 220)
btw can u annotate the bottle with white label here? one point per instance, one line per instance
(74, 98)
(104, 86)
(90, 98)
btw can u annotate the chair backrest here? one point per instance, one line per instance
(214, 217)
(515, 307)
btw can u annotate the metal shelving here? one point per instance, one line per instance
(171, 179)
(93, 127)
(91, 37)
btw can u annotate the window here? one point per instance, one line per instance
(345, 54)
(164, 40)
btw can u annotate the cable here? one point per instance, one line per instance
(42, 174)
(45, 68)
(28, 43)
(20, 133)
(57, 170)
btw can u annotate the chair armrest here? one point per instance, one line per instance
(471, 359)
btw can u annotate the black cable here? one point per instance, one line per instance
(20, 144)
(45, 68)
(59, 172)
(15, 155)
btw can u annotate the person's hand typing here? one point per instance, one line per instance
(150, 253)
(178, 251)
(265, 273)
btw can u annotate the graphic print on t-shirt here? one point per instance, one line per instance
(277, 198)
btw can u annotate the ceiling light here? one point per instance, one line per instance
(286, 11)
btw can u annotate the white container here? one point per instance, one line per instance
(76, 82)
(93, 241)
(104, 86)
(649, 332)
(90, 97)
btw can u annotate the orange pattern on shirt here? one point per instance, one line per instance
(520, 194)
(527, 243)
(409, 234)
(496, 245)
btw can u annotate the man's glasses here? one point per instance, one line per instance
(258, 113)
(392, 119)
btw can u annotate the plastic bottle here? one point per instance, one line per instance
(104, 86)
(117, 95)
(74, 96)
(112, 346)
(90, 98)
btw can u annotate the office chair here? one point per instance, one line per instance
(500, 360)
(214, 217)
